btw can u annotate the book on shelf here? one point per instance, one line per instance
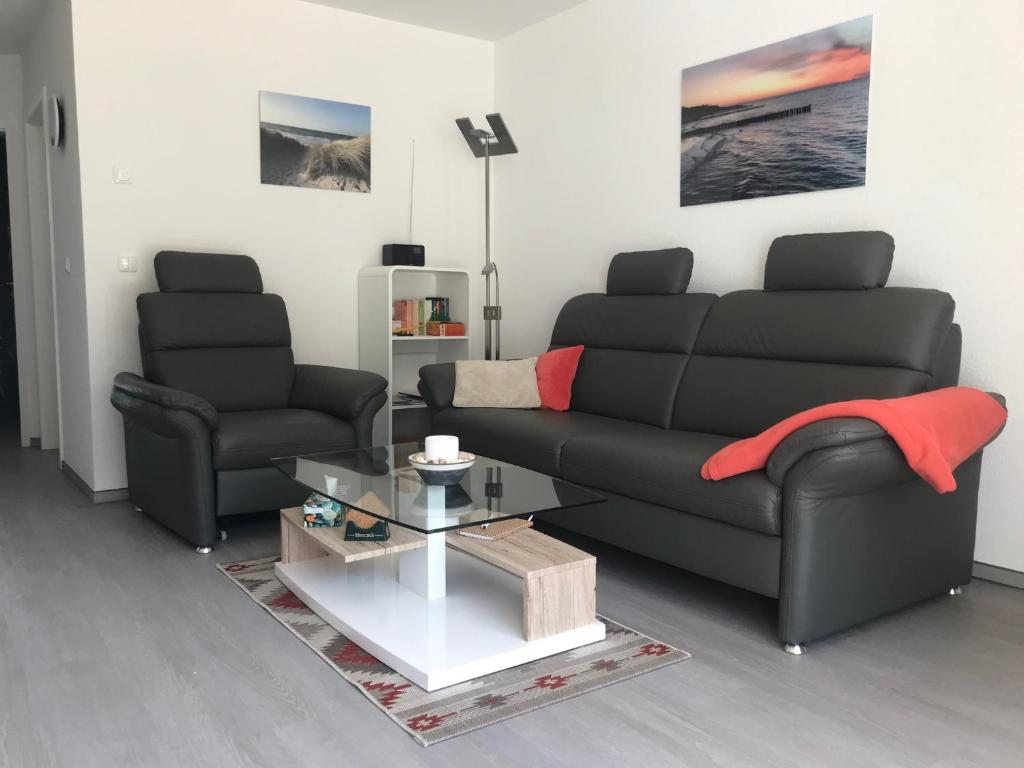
(440, 308)
(439, 328)
(403, 317)
(414, 317)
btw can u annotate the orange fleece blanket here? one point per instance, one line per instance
(936, 431)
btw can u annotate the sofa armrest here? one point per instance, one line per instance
(128, 387)
(849, 436)
(863, 535)
(437, 385)
(828, 433)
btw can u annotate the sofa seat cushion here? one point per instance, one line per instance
(531, 439)
(663, 467)
(249, 439)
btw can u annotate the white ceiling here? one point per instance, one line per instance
(16, 19)
(485, 19)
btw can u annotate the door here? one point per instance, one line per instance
(41, 292)
(9, 409)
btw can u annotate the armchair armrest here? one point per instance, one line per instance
(352, 396)
(437, 385)
(169, 455)
(128, 386)
(341, 392)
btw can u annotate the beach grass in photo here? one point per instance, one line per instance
(777, 120)
(314, 143)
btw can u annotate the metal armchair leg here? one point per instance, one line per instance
(795, 649)
(954, 591)
(204, 550)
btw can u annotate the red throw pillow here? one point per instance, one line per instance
(555, 372)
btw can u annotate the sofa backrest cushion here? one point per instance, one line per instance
(635, 351)
(829, 261)
(763, 356)
(211, 331)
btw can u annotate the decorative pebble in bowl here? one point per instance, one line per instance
(442, 471)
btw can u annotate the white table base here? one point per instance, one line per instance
(473, 626)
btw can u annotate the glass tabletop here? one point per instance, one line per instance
(381, 482)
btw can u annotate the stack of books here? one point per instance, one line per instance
(414, 317)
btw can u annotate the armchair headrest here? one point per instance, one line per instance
(657, 273)
(829, 261)
(184, 272)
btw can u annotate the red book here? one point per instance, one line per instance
(436, 328)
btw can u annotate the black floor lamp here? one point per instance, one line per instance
(487, 144)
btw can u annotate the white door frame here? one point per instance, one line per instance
(41, 293)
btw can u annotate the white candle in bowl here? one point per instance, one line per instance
(442, 448)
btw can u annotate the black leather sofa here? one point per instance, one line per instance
(837, 527)
(221, 395)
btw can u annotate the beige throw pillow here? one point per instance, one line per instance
(496, 384)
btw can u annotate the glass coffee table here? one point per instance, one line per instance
(439, 607)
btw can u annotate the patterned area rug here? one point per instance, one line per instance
(433, 717)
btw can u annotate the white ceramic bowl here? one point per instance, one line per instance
(441, 472)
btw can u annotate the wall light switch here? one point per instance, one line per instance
(127, 264)
(122, 175)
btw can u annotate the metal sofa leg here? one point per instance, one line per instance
(204, 550)
(795, 649)
(954, 591)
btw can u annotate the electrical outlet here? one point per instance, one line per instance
(127, 264)
(122, 175)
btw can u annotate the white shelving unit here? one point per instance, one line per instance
(399, 358)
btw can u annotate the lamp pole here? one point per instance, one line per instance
(485, 144)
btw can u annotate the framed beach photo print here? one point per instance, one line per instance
(314, 143)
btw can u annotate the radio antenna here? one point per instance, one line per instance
(412, 187)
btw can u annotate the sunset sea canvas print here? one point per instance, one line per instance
(785, 118)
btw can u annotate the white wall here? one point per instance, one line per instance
(169, 89)
(12, 124)
(592, 97)
(48, 61)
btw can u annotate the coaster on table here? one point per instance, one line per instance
(495, 531)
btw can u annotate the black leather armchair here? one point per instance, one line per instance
(221, 395)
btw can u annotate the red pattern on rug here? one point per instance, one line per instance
(653, 649)
(352, 654)
(551, 682)
(427, 722)
(393, 692)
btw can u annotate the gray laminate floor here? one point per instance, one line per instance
(120, 647)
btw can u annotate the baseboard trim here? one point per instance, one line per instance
(999, 575)
(96, 497)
